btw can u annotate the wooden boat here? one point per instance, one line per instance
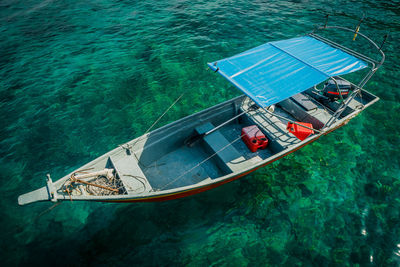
(205, 150)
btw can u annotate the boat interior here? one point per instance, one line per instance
(161, 160)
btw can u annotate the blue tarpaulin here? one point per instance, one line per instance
(277, 70)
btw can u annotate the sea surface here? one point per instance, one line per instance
(78, 78)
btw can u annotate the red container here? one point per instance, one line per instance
(254, 138)
(299, 131)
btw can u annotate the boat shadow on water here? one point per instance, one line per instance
(136, 231)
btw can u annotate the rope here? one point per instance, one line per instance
(99, 185)
(142, 180)
(200, 163)
(45, 211)
(159, 118)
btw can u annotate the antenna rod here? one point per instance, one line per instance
(358, 27)
(384, 40)
(326, 20)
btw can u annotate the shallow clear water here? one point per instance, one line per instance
(80, 77)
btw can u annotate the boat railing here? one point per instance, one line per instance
(375, 64)
(350, 51)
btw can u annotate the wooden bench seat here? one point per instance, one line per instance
(227, 157)
(130, 173)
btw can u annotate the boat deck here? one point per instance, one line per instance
(176, 168)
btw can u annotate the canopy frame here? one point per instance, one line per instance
(373, 64)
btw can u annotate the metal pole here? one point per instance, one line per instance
(288, 120)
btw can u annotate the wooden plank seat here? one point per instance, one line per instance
(304, 102)
(130, 173)
(227, 157)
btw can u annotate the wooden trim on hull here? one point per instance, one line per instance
(194, 191)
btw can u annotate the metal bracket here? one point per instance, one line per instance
(51, 189)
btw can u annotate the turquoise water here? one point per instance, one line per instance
(80, 77)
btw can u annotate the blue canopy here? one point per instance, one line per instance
(277, 70)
